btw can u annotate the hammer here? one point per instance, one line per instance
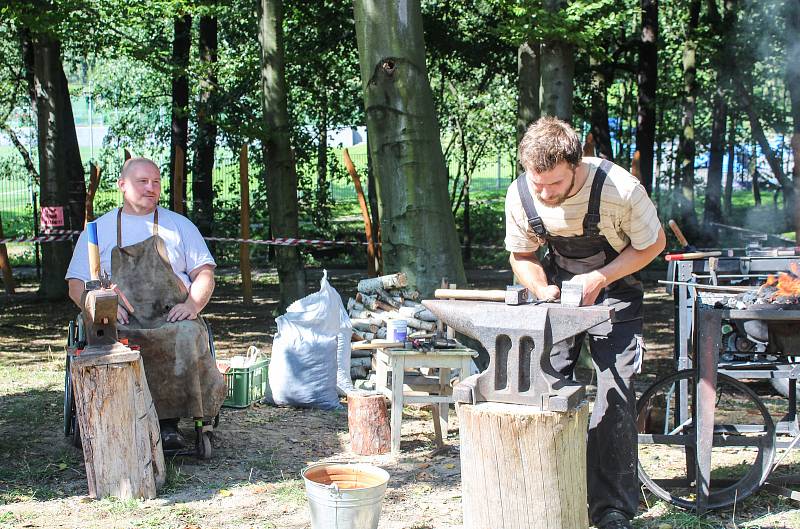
(512, 295)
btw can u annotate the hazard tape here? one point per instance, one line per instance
(67, 235)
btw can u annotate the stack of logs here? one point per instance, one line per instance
(384, 298)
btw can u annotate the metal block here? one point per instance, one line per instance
(516, 295)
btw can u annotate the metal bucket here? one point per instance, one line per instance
(344, 496)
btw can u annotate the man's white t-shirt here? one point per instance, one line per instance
(185, 246)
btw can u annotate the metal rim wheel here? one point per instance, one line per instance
(68, 403)
(743, 445)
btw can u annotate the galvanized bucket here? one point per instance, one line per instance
(344, 496)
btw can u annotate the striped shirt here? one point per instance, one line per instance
(627, 215)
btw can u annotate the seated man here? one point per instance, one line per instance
(161, 263)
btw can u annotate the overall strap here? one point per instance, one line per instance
(591, 222)
(534, 220)
(119, 225)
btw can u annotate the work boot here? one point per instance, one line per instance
(614, 520)
(171, 438)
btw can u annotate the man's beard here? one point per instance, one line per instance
(557, 201)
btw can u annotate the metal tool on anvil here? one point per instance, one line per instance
(519, 339)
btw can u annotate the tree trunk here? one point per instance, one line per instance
(206, 140)
(729, 177)
(558, 71)
(60, 169)
(686, 146)
(322, 163)
(528, 77)
(719, 118)
(793, 83)
(405, 146)
(647, 81)
(756, 187)
(368, 423)
(280, 172)
(179, 134)
(530, 462)
(601, 133)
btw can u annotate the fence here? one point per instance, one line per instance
(18, 195)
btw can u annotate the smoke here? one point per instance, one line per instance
(767, 218)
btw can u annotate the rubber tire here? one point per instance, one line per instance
(204, 450)
(718, 499)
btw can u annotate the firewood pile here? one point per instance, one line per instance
(381, 299)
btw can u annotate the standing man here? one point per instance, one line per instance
(159, 260)
(598, 226)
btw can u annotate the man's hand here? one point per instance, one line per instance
(548, 293)
(183, 311)
(122, 315)
(593, 283)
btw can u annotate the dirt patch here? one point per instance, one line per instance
(254, 478)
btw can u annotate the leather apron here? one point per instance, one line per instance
(182, 374)
(569, 256)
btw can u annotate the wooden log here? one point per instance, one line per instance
(244, 221)
(387, 298)
(388, 282)
(372, 302)
(118, 424)
(368, 423)
(532, 462)
(366, 324)
(364, 335)
(360, 314)
(352, 304)
(410, 294)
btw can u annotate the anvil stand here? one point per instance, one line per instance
(522, 425)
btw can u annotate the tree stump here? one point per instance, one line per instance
(522, 467)
(368, 422)
(118, 424)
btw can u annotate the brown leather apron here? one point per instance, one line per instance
(181, 372)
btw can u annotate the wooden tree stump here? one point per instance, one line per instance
(368, 422)
(522, 467)
(118, 424)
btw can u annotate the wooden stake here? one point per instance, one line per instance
(244, 248)
(127, 155)
(362, 202)
(503, 446)
(178, 197)
(94, 183)
(5, 265)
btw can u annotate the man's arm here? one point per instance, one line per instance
(199, 294)
(530, 273)
(630, 260)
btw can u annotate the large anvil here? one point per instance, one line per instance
(519, 339)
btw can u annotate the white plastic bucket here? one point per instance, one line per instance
(344, 496)
(396, 330)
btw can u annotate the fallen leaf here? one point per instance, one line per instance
(225, 492)
(449, 466)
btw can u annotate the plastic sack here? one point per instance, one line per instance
(303, 367)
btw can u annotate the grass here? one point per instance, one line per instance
(291, 491)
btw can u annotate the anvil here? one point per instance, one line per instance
(519, 340)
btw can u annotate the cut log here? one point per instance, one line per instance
(370, 286)
(368, 423)
(118, 424)
(387, 298)
(531, 462)
(409, 294)
(354, 305)
(366, 324)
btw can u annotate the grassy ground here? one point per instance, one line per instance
(253, 480)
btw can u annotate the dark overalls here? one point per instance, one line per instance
(616, 351)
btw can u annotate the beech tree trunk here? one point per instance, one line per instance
(647, 81)
(405, 146)
(528, 77)
(601, 133)
(60, 168)
(322, 162)
(530, 462)
(280, 172)
(179, 135)
(206, 140)
(719, 118)
(730, 175)
(686, 145)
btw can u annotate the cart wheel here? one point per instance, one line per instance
(69, 404)
(204, 449)
(743, 446)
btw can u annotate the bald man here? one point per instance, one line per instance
(161, 263)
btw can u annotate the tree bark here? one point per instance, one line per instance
(647, 81)
(601, 133)
(729, 177)
(793, 83)
(181, 45)
(558, 70)
(322, 163)
(531, 462)
(206, 140)
(719, 117)
(405, 146)
(280, 172)
(686, 145)
(528, 77)
(60, 169)
(368, 423)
